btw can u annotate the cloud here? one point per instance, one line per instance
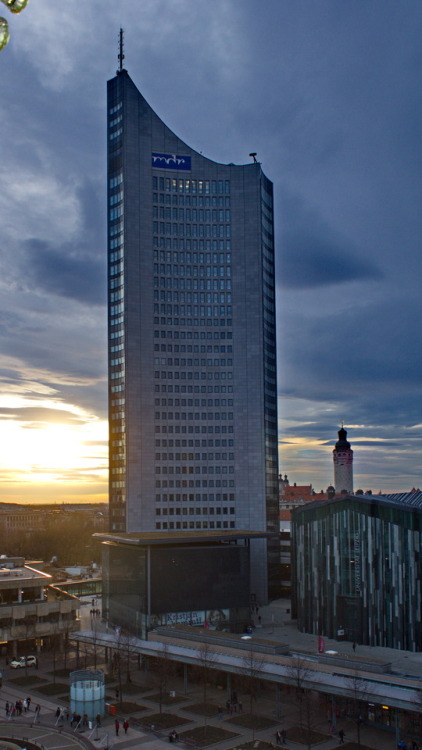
(63, 273)
(328, 95)
(39, 416)
(313, 254)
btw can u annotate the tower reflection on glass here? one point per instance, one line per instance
(15, 6)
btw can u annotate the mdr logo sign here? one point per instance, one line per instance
(171, 161)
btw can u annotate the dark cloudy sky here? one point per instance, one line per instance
(328, 94)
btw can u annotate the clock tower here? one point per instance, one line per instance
(343, 463)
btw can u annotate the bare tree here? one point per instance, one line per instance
(360, 697)
(163, 670)
(208, 659)
(298, 671)
(251, 669)
(66, 644)
(125, 648)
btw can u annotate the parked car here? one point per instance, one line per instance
(24, 661)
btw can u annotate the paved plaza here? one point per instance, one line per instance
(51, 737)
(142, 691)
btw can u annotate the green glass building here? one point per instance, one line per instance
(357, 570)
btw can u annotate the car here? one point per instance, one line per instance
(24, 661)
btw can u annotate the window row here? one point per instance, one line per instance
(190, 415)
(204, 311)
(194, 272)
(195, 511)
(183, 429)
(193, 402)
(192, 200)
(116, 229)
(192, 335)
(193, 348)
(204, 298)
(116, 242)
(183, 362)
(192, 321)
(116, 198)
(193, 443)
(194, 257)
(201, 215)
(165, 483)
(193, 388)
(195, 525)
(207, 497)
(190, 470)
(115, 134)
(191, 186)
(182, 230)
(182, 284)
(113, 123)
(116, 108)
(194, 456)
(189, 244)
(165, 375)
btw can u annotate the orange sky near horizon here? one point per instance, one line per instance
(49, 460)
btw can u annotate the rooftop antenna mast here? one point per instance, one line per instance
(120, 56)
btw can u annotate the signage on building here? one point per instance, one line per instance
(357, 562)
(214, 619)
(171, 161)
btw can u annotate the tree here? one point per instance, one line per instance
(125, 648)
(163, 671)
(360, 694)
(208, 658)
(298, 671)
(251, 670)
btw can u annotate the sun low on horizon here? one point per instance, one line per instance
(52, 452)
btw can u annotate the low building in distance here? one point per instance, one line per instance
(32, 610)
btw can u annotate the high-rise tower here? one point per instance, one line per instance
(343, 463)
(192, 346)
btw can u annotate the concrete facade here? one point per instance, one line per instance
(31, 609)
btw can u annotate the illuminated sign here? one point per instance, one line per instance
(171, 161)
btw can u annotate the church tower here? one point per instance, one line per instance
(343, 463)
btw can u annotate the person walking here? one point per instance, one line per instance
(341, 736)
(283, 736)
(117, 726)
(278, 737)
(125, 725)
